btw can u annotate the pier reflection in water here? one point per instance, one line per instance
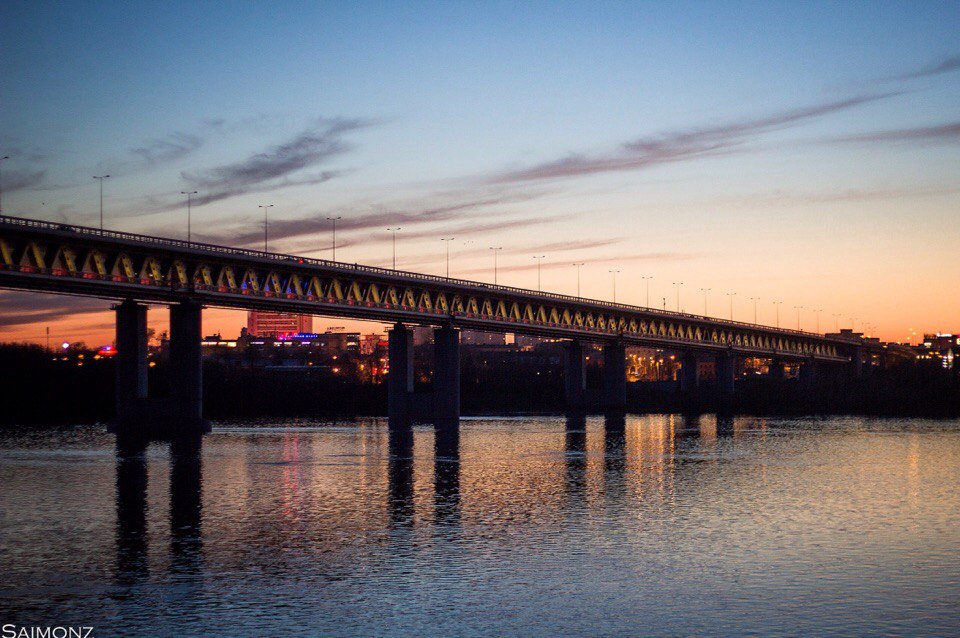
(552, 525)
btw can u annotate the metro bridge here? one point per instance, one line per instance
(132, 269)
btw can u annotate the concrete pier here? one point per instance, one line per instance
(131, 368)
(689, 373)
(778, 370)
(726, 368)
(400, 377)
(186, 370)
(614, 377)
(809, 373)
(574, 376)
(446, 378)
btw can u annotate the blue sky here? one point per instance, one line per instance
(804, 152)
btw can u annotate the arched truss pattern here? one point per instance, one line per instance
(71, 259)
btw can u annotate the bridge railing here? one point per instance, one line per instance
(400, 274)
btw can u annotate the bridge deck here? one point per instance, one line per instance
(38, 255)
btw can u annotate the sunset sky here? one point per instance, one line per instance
(800, 152)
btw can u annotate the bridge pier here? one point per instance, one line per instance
(689, 373)
(446, 378)
(574, 376)
(400, 377)
(809, 372)
(726, 370)
(856, 362)
(186, 370)
(614, 377)
(778, 370)
(131, 370)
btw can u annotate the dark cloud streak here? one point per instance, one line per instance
(683, 145)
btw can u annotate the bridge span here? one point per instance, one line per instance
(132, 269)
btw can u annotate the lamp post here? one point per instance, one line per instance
(754, 300)
(731, 295)
(614, 273)
(5, 157)
(836, 322)
(678, 284)
(539, 259)
(798, 309)
(100, 178)
(448, 240)
(817, 312)
(579, 265)
(394, 231)
(777, 305)
(188, 194)
(647, 279)
(495, 249)
(705, 292)
(334, 245)
(265, 207)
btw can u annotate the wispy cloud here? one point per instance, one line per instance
(684, 144)
(267, 170)
(659, 257)
(25, 308)
(947, 65)
(949, 132)
(18, 180)
(353, 221)
(174, 147)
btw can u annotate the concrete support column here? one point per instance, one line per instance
(131, 365)
(689, 372)
(726, 367)
(856, 362)
(446, 377)
(809, 372)
(614, 377)
(186, 369)
(400, 377)
(778, 371)
(574, 376)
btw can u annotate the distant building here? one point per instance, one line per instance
(477, 338)
(274, 324)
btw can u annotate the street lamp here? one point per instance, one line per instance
(539, 259)
(579, 265)
(100, 178)
(777, 305)
(731, 295)
(817, 313)
(495, 249)
(836, 322)
(5, 157)
(188, 194)
(798, 309)
(334, 220)
(614, 273)
(705, 291)
(647, 279)
(678, 284)
(754, 300)
(394, 231)
(448, 240)
(265, 207)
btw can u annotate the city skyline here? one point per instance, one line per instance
(807, 161)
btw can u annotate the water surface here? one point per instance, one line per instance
(543, 526)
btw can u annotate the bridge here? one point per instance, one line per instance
(135, 269)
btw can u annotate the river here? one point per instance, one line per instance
(528, 526)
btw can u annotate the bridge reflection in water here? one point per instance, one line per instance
(583, 462)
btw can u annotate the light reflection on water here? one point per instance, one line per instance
(665, 525)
